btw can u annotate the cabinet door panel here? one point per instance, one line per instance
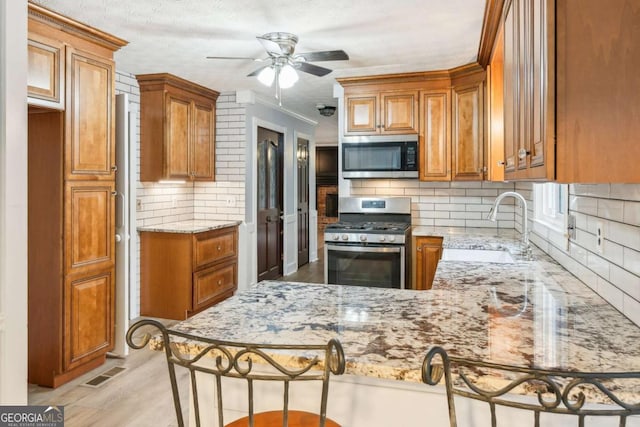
(362, 114)
(428, 253)
(90, 110)
(468, 137)
(399, 112)
(177, 140)
(45, 80)
(89, 312)
(214, 246)
(89, 226)
(203, 156)
(435, 138)
(539, 67)
(211, 283)
(510, 78)
(524, 77)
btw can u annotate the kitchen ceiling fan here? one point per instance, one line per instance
(283, 61)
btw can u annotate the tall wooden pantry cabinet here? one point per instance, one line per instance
(71, 196)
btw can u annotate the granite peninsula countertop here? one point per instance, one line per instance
(190, 226)
(529, 313)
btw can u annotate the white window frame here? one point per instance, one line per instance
(551, 205)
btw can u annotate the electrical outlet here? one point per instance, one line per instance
(138, 205)
(231, 201)
(599, 237)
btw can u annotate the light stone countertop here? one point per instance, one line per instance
(190, 226)
(529, 313)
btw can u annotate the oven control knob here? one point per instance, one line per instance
(336, 237)
(345, 237)
(392, 238)
(363, 237)
(381, 238)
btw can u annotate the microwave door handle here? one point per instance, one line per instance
(379, 249)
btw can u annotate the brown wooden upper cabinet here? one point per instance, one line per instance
(569, 68)
(445, 108)
(177, 121)
(381, 112)
(45, 77)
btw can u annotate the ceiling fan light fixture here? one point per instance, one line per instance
(266, 76)
(287, 77)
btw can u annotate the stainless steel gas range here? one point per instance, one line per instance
(370, 245)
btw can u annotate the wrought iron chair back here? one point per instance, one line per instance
(557, 392)
(239, 360)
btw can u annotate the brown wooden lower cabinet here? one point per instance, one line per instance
(428, 253)
(183, 273)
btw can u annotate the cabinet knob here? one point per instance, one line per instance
(419, 248)
(219, 248)
(114, 168)
(522, 153)
(501, 163)
(114, 193)
(220, 282)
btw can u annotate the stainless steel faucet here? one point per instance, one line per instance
(525, 221)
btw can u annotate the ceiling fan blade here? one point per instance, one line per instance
(256, 72)
(328, 55)
(270, 46)
(236, 57)
(312, 69)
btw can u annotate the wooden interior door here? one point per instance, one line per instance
(269, 208)
(303, 201)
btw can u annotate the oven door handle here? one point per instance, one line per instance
(379, 249)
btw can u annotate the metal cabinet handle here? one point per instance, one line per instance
(114, 168)
(419, 248)
(114, 193)
(501, 163)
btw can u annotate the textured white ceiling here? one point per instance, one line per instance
(380, 36)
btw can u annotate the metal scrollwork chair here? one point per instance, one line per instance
(554, 392)
(251, 363)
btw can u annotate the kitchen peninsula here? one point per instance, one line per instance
(527, 313)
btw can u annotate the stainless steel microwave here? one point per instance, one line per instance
(394, 156)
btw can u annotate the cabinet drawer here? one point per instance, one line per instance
(214, 246)
(212, 282)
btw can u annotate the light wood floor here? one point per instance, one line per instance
(140, 396)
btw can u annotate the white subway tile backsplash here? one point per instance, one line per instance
(598, 265)
(626, 235)
(631, 309)
(449, 223)
(610, 209)
(631, 214)
(466, 184)
(585, 205)
(626, 281)
(625, 192)
(631, 261)
(590, 190)
(485, 192)
(613, 295)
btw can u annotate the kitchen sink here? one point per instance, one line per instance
(477, 255)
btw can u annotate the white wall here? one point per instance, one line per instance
(13, 202)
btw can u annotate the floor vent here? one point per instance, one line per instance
(104, 377)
